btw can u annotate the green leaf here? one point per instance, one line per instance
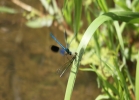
(124, 16)
(103, 5)
(67, 11)
(7, 10)
(40, 22)
(137, 79)
(77, 14)
(136, 20)
(122, 4)
(102, 97)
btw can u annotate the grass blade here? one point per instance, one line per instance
(137, 80)
(82, 46)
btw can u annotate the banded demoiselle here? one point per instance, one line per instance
(66, 49)
(63, 69)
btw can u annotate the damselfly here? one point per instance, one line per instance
(63, 69)
(64, 48)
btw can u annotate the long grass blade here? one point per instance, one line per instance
(137, 79)
(82, 46)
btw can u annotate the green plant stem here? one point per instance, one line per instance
(82, 46)
(137, 79)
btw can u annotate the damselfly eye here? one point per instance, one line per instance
(54, 48)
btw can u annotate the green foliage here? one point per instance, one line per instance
(7, 10)
(108, 44)
(107, 52)
(67, 11)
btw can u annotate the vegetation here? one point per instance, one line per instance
(109, 44)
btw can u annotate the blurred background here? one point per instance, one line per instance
(27, 64)
(28, 67)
